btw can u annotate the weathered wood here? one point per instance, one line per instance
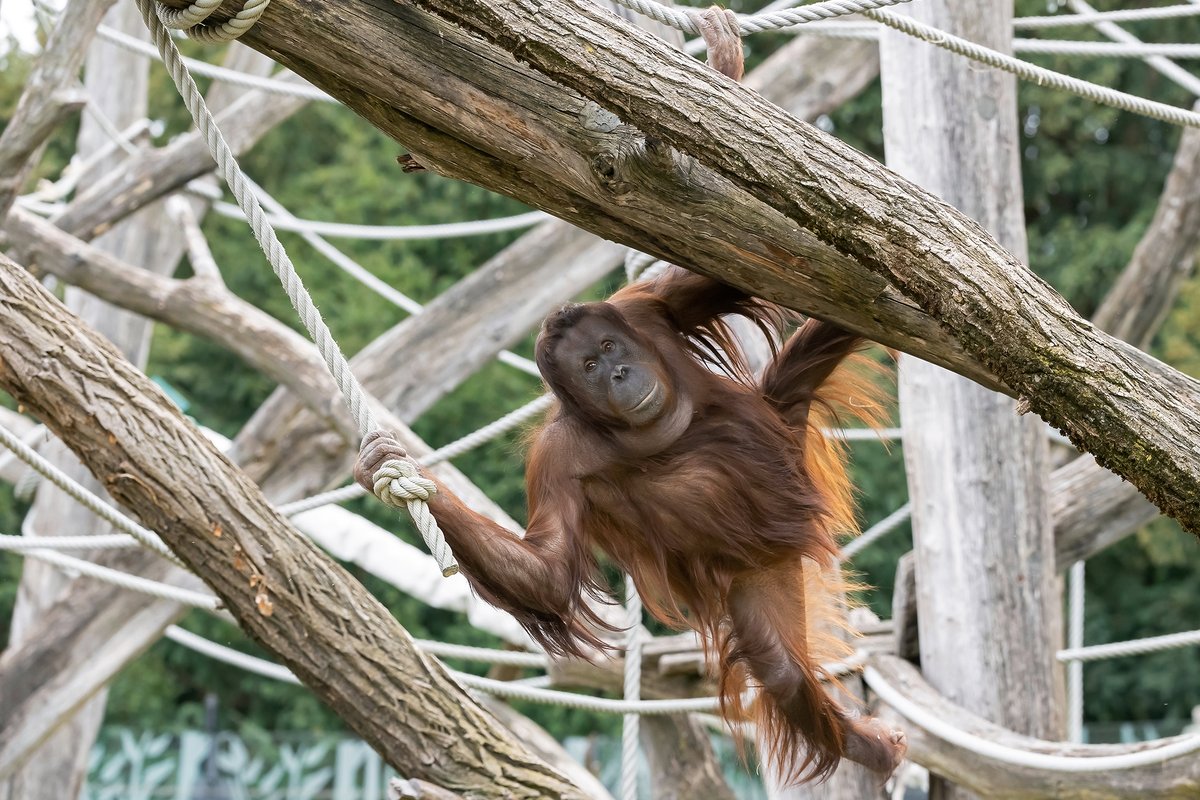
(283, 591)
(115, 81)
(410, 74)
(1176, 779)
(986, 584)
(197, 305)
(539, 741)
(906, 630)
(75, 653)
(48, 98)
(1136, 306)
(1120, 404)
(1093, 508)
(158, 172)
(812, 75)
(510, 293)
(683, 765)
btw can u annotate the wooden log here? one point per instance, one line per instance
(1165, 256)
(115, 82)
(1128, 409)
(287, 594)
(977, 471)
(410, 73)
(49, 97)
(1172, 779)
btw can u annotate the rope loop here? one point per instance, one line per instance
(192, 20)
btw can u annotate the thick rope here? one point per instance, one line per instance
(1038, 75)
(1075, 641)
(84, 497)
(1176, 73)
(441, 230)
(227, 166)
(1134, 647)
(192, 20)
(110, 541)
(78, 566)
(830, 9)
(1093, 17)
(987, 749)
(633, 691)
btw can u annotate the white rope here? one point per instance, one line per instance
(1170, 69)
(216, 72)
(633, 691)
(511, 420)
(111, 541)
(865, 434)
(756, 23)
(84, 497)
(74, 171)
(124, 580)
(987, 749)
(1075, 641)
(1106, 49)
(1122, 15)
(227, 166)
(1039, 75)
(219, 652)
(508, 658)
(344, 230)
(1134, 647)
(522, 691)
(366, 278)
(456, 448)
(192, 20)
(878, 530)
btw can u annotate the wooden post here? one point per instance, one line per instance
(116, 82)
(977, 469)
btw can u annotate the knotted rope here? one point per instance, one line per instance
(193, 20)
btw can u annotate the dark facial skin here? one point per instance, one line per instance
(606, 369)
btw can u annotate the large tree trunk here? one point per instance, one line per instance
(764, 177)
(284, 592)
(116, 82)
(977, 469)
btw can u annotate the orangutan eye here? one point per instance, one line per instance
(589, 366)
(607, 346)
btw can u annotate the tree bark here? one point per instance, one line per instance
(1165, 257)
(49, 97)
(284, 592)
(986, 582)
(115, 82)
(408, 72)
(1133, 413)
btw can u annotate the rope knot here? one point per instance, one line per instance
(398, 481)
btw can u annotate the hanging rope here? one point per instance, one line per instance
(633, 691)
(399, 492)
